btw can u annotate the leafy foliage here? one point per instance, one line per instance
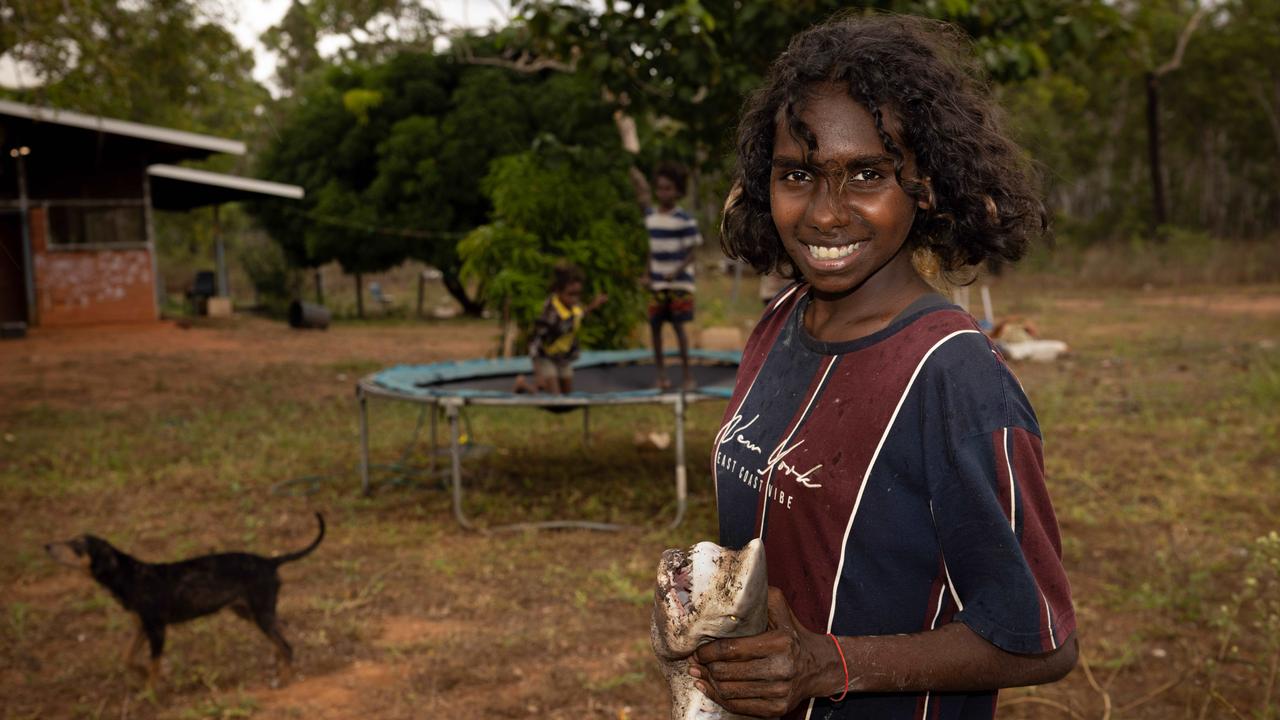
(392, 155)
(163, 62)
(556, 203)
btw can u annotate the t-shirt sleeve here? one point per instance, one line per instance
(992, 513)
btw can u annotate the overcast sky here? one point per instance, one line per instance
(256, 16)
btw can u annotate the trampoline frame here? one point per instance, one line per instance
(453, 403)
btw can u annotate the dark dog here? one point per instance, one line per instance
(161, 594)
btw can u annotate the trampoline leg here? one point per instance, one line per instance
(435, 437)
(455, 456)
(363, 401)
(682, 481)
(586, 425)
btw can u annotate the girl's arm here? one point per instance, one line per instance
(770, 673)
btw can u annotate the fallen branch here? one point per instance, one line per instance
(1106, 696)
(1031, 699)
(1153, 694)
(1218, 696)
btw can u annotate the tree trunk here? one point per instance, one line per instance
(422, 286)
(360, 296)
(319, 279)
(459, 293)
(1159, 214)
(508, 330)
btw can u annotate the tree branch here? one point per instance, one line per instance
(525, 62)
(1176, 61)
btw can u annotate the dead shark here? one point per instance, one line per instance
(705, 592)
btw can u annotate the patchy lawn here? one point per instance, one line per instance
(1162, 445)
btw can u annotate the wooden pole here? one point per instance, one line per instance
(422, 282)
(28, 257)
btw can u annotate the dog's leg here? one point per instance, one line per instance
(131, 654)
(155, 634)
(264, 616)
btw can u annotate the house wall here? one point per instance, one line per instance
(88, 286)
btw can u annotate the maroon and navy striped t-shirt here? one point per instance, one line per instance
(897, 481)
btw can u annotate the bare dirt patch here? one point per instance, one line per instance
(170, 442)
(356, 691)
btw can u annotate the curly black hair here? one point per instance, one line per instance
(565, 274)
(984, 205)
(675, 172)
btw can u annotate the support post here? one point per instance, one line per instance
(455, 458)
(220, 256)
(435, 444)
(148, 226)
(363, 401)
(28, 252)
(682, 480)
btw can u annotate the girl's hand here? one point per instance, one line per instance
(768, 674)
(597, 301)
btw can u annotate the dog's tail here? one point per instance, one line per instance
(290, 557)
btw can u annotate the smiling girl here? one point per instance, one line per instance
(876, 441)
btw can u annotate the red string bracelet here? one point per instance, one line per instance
(844, 665)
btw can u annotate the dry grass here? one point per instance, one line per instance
(1162, 445)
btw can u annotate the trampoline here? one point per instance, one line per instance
(618, 377)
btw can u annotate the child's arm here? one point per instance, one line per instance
(596, 302)
(770, 673)
(639, 183)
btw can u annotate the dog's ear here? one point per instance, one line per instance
(101, 555)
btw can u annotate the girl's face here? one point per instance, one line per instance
(841, 215)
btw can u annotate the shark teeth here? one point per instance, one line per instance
(682, 586)
(822, 252)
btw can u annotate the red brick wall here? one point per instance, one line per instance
(87, 287)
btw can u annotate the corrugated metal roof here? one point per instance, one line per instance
(121, 127)
(230, 182)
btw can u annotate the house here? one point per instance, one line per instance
(76, 199)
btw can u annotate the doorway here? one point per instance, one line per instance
(13, 286)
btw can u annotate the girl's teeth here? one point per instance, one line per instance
(833, 253)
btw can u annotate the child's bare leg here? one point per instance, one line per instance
(659, 359)
(548, 384)
(683, 339)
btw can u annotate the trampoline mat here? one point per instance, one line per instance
(605, 379)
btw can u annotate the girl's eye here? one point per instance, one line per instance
(866, 175)
(796, 176)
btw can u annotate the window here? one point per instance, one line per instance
(97, 225)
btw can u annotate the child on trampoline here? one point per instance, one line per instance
(673, 235)
(876, 441)
(553, 345)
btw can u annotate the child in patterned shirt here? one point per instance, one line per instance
(553, 345)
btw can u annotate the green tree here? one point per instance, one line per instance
(392, 155)
(162, 62)
(364, 30)
(555, 203)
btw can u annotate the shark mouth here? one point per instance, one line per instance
(681, 585)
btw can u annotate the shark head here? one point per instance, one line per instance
(707, 592)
